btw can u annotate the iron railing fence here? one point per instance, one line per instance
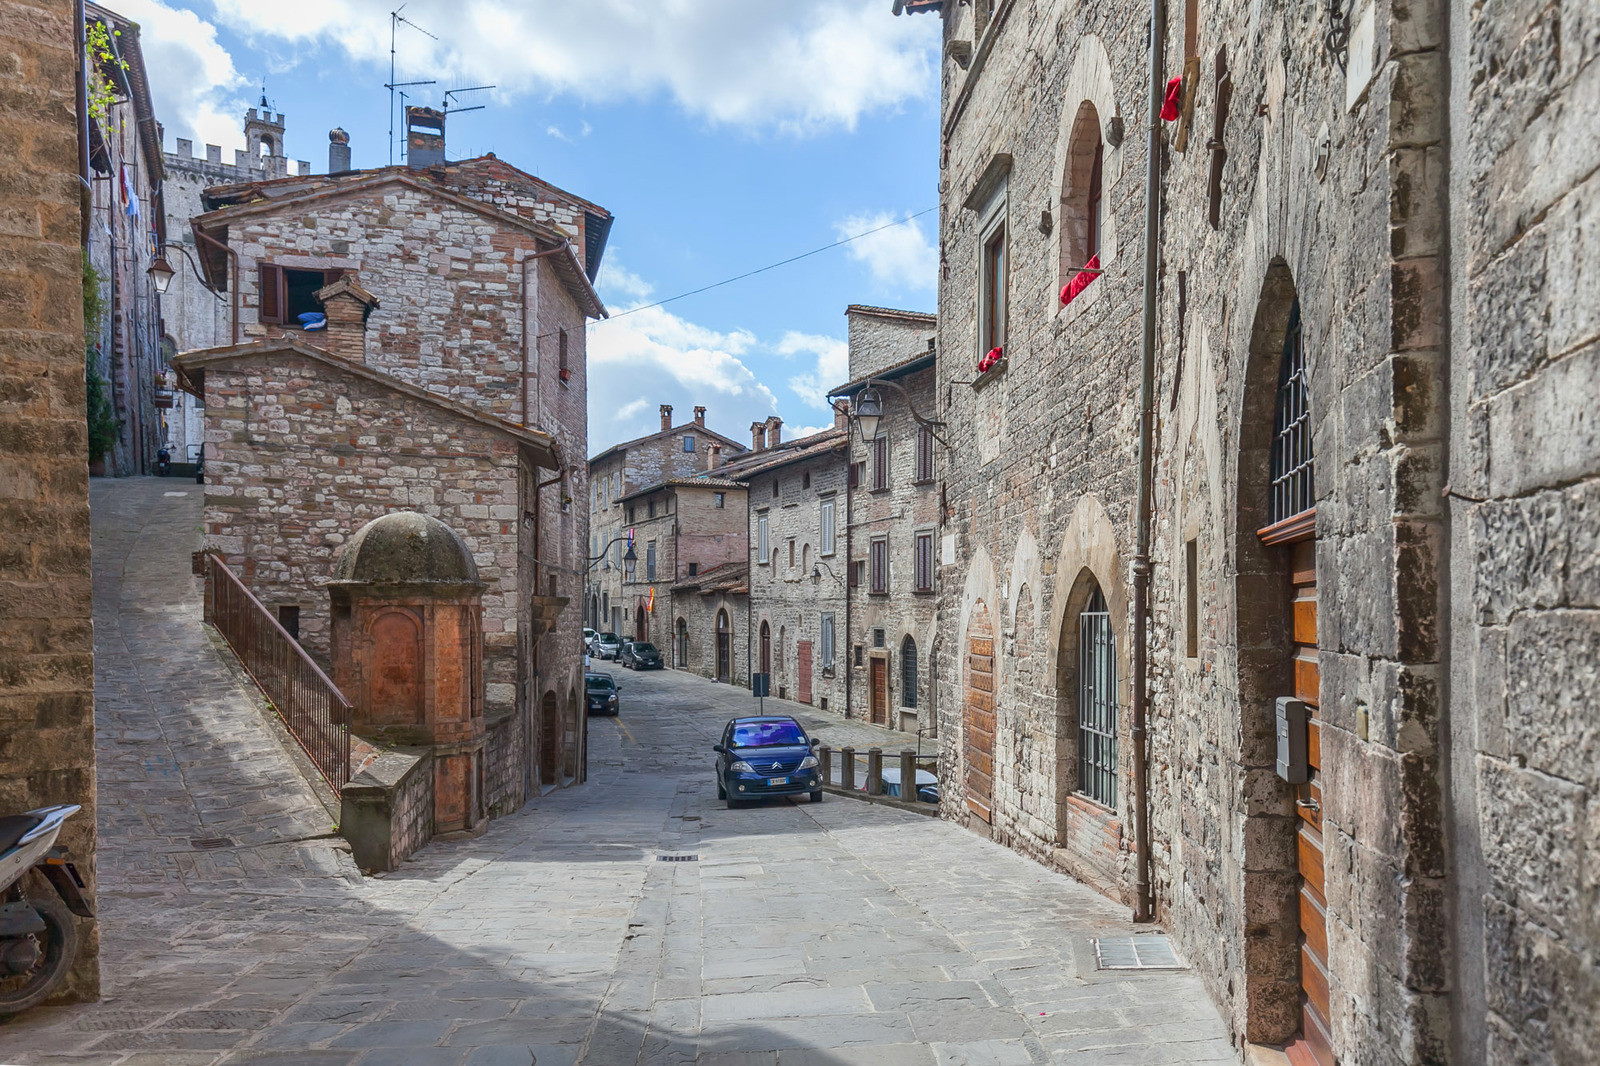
(311, 706)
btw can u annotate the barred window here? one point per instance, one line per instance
(1097, 703)
(908, 673)
(1292, 461)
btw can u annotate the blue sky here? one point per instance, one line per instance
(723, 134)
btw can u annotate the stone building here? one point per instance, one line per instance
(194, 315)
(1371, 459)
(127, 227)
(46, 635)
(894, 520)
(414, 340)
(714, 607)
(621, 470)
(799, 541)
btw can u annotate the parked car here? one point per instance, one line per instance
(600, 694)
(640, 655)
(767, 755)
(588, 635)
(605, 645)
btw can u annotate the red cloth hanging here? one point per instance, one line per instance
(988, 361)
(1081, 280)
(1169, 107)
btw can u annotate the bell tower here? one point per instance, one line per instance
(263, 135)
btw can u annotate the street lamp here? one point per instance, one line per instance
(630, 561)
(161, 273)
(868, 411)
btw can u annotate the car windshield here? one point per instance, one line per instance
(767, 734)
(639, 646)
(610, 638)
(601, 683)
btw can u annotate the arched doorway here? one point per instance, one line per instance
(908, 673)
(1288, 976)
(549, 740)
(724, 647)
(977, 713)
(766, 649)
(641, 619)
(681, 642)
(1095, 698)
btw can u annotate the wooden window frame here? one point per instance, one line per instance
(878, 570)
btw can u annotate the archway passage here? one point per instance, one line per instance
(978, 715)
(549, 740)
(724, 647)
(681, 639)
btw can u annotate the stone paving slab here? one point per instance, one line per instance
(821, 935)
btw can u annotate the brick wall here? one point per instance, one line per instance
(46, 641)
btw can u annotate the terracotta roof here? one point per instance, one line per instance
(299, 190)
(728, 578)
(690, 427)
(793, 452)
(701, 482)
(197, 360)
(920, 361)
(890, 312)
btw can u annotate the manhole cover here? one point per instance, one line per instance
(1146, 952)
(677, 858)
(210, 843)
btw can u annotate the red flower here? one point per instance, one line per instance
(1081, 280)
(1169, 106)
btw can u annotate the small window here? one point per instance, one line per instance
(694, 569)
(861, 654)
(826, 651)
(688, 444)
(858, 474)
(1191, 621)
(908, 674)
(791, 553)
(630, 514)
(805, 480)
(286, 294)
(289, 619)
(828, 512)
(650, 509)
(1097, 703)
(562, 363)
(877, 638)
(649, 561)
(763, 555)
(718, 499)
(878, 554)
(858, 573)
(923, 563)
(880, 464)
(1293, 464)
(774, 489)
(994, 282)
(924, 454)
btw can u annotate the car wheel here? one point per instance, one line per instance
(816, 797)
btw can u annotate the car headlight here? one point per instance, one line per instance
(741, 767)
(808, 763)
(613, 699)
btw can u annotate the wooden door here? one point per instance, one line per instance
(1314, 1046)
(978, 716)
(802, 654)
(880, 690)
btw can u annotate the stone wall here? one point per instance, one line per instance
(386, 811)
(46, 639)
(699, 610)
(881, 337)
(505, 757)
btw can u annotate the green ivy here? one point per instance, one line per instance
(98, 53)
(102, 422)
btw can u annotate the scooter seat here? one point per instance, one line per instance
(13, 827)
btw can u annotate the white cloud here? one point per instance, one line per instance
(831, 366)
(196, 90)
(900, 256)
(621, 286)
(797, 67)
(553, 131)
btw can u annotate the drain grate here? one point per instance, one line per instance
(1150, 951)
(677, 858)
(210, 843)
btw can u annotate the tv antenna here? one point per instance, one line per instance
(395, 20)
(457, 92)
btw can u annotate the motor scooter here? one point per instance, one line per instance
(38, 938)
(164, 461)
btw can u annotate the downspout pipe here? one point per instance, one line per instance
(85, 190)
(1143, 908)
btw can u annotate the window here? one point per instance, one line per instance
(828, 511)
(992, 330)
(561, 365)
(791, 553)
(878, 554)
(826, 651)
(877, 638)
(1292, 461)
(923, 562)
(861, 654)
(688, 444)
(289, 619)
(630, 514)
(858, 572)
(1097, 703)
(1082, 234)
(1191, 620)
(858, 475)
(805, 480)
(774, 489)
(762, 554)
(694, 569)
(924, 454)
(880, 463)
(286, 294)
(908, 673)
(718, 499)
(650, 560)
(650, 509)
(1092, 209)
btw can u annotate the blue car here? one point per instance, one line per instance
(764, 756)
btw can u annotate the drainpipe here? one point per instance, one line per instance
(85, 190)
(1141, 560)
(530, 325)
(849, 564)
(237, 280)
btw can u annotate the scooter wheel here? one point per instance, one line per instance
(56, 947)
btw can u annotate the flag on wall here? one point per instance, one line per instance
(652, 607)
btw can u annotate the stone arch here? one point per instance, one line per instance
(396, 687)
(680, 643)
(1271, 962)
(910, 665)
(765, 646)
(978, 713)
(1089, 104)
(724, 663)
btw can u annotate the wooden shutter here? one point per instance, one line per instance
(880, 463)
(270, 288)
(924, 562)
(924, 453)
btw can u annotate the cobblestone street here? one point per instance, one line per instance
(838, 933)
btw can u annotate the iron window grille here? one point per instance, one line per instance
(1097, 703)
(908, 674)
(1292, 459)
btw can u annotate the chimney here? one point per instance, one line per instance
(714, 456)
(700, 417)
(841, 414)
(758, 436)
(338, 151)
(774, 431)
(666, 416)
(424, 137)
(347, 306)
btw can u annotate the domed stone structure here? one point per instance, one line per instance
(407, 614)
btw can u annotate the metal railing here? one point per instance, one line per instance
(311, 706)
